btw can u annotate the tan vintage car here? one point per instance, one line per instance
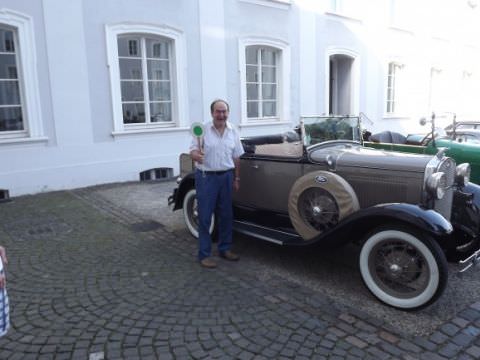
(318, 184)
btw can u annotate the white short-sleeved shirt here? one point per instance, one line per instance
(219, 151)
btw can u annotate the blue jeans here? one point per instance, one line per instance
(214, 196)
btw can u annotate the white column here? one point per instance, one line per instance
(309, 96)
(213, 52)
(68, 68)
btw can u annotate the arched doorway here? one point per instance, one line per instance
(341, 89)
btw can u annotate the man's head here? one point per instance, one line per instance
(219, 110)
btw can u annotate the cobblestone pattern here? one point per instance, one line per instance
(85, 283)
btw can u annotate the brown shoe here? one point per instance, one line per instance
(208, 263)
(229, 255)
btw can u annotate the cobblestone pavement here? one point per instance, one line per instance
(88, 279)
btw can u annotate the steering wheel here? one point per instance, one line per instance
(426, 139)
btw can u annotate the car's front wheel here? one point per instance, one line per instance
(190, 213)
(403, 269)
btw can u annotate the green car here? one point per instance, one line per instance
(454, 145)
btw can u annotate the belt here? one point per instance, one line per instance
(219, 172)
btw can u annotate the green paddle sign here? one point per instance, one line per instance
(197, 130)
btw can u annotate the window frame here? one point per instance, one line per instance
(341, 8)
(396, 91)
(283, 80)
(25, 56)
(177, 60)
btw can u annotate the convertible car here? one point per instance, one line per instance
(318, 184)
(461, 141)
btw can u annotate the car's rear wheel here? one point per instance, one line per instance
(190, 213)
(403, 269)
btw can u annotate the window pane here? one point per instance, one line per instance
(133, 113)
(251, 55)
(160, 112)
(130, 69)
(252, 73)
(158, 70)
(6, 43)
(11, 119)
(269, 108)
(9, 92)
(157, 48)
(8, 67)
(252, 109)
(268, 57)
(159, 90)
(129, 46)
(132, 90)
(269, 92)
(269, 74)
(252, 92)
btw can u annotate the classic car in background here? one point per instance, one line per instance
(461, 141)
(464, 131)
(318, 184)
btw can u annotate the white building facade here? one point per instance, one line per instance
(94, 92)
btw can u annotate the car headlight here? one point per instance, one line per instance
(462, 175)
(437, 184)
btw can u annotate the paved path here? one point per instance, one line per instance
(88, 279)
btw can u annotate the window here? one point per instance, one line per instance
(147, 77)
(20, 113)
(11, 117)
(402, 15)
(394, 87)
(349, 8)
(437, 96)
(265, 83)
(261, 80)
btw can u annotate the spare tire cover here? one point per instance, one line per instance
(335, 187)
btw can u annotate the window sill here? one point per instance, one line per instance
(343, 16)
(402, 29)
(22, 140)
(148, 131)
(279, 4)
(264, 123)
(395, 117)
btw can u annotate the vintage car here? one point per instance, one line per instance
(318, 184)
(461, 141)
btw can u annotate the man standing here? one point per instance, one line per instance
(217, 174)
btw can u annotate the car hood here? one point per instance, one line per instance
(358, 156)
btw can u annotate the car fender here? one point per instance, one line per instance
(466, 209)
(364, 220)
(187, 183)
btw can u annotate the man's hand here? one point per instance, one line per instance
(236, 184)
(197, 156)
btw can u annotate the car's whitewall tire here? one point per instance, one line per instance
(190, 213)
(403, 269)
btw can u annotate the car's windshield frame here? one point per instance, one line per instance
(319, 129)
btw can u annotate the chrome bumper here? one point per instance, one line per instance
(472, 260)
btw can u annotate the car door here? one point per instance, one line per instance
(266, 182)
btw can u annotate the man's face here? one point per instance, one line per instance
(220, 112)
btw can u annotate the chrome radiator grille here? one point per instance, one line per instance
(444, 205)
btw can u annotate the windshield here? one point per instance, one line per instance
(320, 128)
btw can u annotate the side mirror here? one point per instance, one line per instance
(423, 121)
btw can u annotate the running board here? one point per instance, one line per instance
(265, 233)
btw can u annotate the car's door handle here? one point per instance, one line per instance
(254, 166)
